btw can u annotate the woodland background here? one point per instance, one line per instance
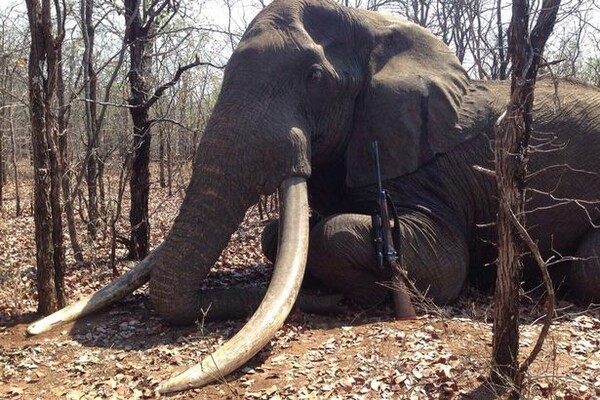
(107, 155)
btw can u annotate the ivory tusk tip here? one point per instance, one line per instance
(40, 326)
(33, 330)
(166, 387)
(175, 384)
(194, 377)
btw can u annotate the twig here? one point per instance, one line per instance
(549, 303)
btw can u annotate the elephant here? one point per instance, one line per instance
(309, 87)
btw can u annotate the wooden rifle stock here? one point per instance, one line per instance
(403, 306)
(386, 252)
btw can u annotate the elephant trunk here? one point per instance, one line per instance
(214, 207)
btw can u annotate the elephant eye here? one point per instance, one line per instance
(316, 73)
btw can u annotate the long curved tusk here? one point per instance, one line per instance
(106, 296)
(277, 303)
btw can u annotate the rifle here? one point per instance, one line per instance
(387, 239)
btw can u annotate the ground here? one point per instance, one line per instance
(123, 352)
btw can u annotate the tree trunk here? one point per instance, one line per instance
(3, 118)
(511, 156)
(161, 157)
(506, 299)
(92, 128)
(501, 64)
(63, 148)
(139, 38)
(169, 164)
(139, 187)
(42, 103)
(101, 188)
(14, 162)
(67, 199)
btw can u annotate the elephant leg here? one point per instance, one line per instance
(270, 236)
(584, 275)
(342, 256)
(268, 240)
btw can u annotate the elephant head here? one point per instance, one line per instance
(310, 83)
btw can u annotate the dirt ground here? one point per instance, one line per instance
(124, 352)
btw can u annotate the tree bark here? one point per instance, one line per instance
(102, 189)
(511, 155)
(3, 118)
(139, 38)
(139, 187)
(14, 163)
(161, 157)
(63, 148)
(92, 128)
(4, 72)
(42, 103)
(169, 164)
(501, 63)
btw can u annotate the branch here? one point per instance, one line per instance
(564, 166)
(106, 103)
(485, 171)
(161, 89)
(171, 121)
(544, 25)
(535, 251)
(152, 13)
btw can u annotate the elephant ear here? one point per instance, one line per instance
(410, 103)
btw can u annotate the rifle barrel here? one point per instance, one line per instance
(375, 146)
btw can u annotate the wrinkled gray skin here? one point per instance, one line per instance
(310, 85)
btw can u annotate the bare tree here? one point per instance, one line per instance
(12, 80)
(47, 212)
(501, 56)
(3, 115)
(140, 31)
(63, 148)
(418, 11)
(14, 162)
(512, 138)
(92, 126)
(142, 27)
(5, 102)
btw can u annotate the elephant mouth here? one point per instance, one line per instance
(256, 333)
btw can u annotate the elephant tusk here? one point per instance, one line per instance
(277, 303)
(106, 296)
